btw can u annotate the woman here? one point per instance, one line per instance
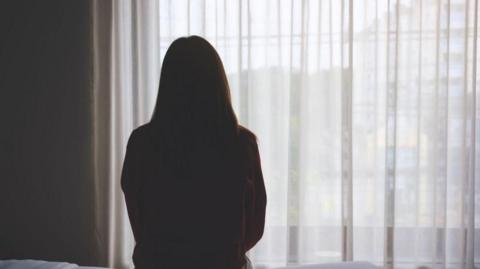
(192, 179)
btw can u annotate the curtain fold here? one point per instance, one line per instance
(366, 115)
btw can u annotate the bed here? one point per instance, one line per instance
(338, 265)
(36, 264)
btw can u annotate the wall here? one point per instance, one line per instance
(46, 204)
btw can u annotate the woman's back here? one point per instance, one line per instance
(205, 210)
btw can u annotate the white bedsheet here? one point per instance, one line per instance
(35, 264)
(338, 265)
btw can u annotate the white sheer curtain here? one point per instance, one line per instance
(366, 114)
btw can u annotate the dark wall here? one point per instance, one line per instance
(45, 131)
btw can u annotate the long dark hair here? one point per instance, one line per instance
(193, 107)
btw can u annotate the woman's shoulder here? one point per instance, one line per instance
(249, 144)
(247, 136)
(245, 133)
(139, 135)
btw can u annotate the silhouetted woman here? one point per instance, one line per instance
(192, 178)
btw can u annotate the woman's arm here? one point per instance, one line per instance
(130, 185)
(256, 202)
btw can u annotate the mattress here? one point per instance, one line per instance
(35, 264)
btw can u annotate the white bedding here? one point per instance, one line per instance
(35, 264)
(339, 265)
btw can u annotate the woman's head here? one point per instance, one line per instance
(194, 96)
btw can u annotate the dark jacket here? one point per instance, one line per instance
(207, 215)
